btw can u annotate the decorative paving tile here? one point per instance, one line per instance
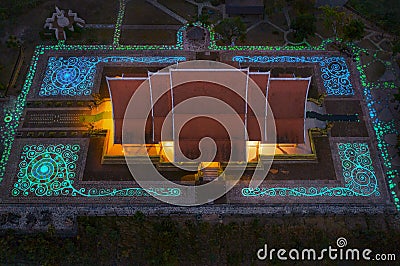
(50, 170)
(335, 73)
(74, 76)
(357, 171)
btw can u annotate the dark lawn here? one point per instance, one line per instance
(167, 37)
(264, 34)
(140, 12)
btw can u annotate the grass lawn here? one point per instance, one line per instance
(387, 46)
(314, 40)
(181, 7)
(382, 12)
(365, 59)
(92, 11)
(148, 37)
(264, 34)
(91, 36)
(367, 45)
(374, 71)
(279, 20)
(322, 30)
(139, 12)
(8, 58)
(385, 56)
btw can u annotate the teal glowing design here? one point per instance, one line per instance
(381, 128)
(49, 170)
(335, 73)
(74, 76)
(46, 171)
(357, 170)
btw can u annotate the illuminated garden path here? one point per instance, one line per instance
(134, 27)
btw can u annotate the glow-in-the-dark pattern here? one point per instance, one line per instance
(74, 76)
(118, 24)
(334, 71)
(358, 177)
(49, 170)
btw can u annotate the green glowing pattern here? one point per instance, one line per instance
(118, 24)
(358, 173)
(49, 170)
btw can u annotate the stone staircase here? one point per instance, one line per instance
(209, 171)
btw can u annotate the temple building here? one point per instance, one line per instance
(286, 95)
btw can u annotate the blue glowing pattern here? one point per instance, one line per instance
(49, 170)
(357, 170)
(336, 76)
(74, 76)
(335, 73)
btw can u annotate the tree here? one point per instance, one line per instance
(354, 29)
(303, 26)
(396, 47)
(275, 6)
(231, 29)
(333, 18)
(216, 2)
(12, 42)
(204, 18)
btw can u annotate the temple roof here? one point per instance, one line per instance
(286, 96)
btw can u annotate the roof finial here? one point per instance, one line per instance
(58, 11)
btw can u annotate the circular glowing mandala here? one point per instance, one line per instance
(66, 76)
(46, 170)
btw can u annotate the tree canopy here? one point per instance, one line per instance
(343, 26)
(231, 29)
(303, 26)
(354, 29)
(333, 18)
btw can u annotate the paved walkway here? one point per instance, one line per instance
(100, 26)
(204, 4)
(167, 11)
(151, 27)
(135, 27)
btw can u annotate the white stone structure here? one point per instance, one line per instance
(59, 21)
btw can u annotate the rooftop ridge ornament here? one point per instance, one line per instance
(59, 21)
